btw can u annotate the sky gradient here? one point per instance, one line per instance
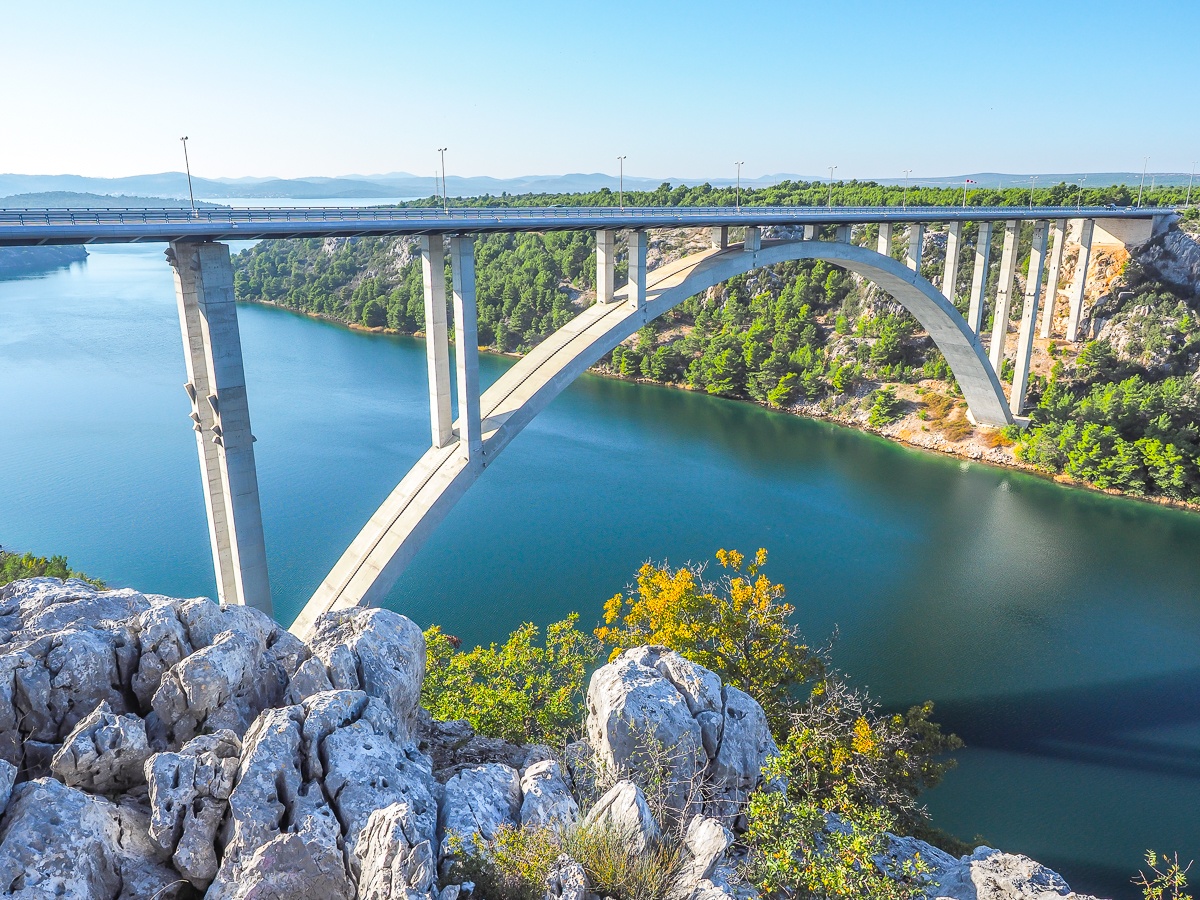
(682, 89)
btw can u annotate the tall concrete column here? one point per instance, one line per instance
(752, 243)
(916, 240)
(1008, 273)
(221, 418)
(466, 344)
(1033, 289)
(983, 252)
(1058, 231)
(636, 241)
(845, 233)
(884, 244)
(606, 264)
(810, 232)
(1079, 284)
(437, 344)
(719, 235)
(950, 273)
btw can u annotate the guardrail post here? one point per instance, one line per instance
(1029, 311)
(437, 345)
(466, 345)
(1008, 272)
(1059, 233)
(1079, 284)
(983, 252)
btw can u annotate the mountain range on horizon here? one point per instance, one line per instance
(404, 185)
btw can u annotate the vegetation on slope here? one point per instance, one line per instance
(15, 566)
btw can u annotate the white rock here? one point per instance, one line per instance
(104, 754)
(624, 809)
(395, 857)
(567, 880)
(477, 802)
(8, 776)
(547, 801)
(705, 841)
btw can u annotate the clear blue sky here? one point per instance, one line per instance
(682, 88)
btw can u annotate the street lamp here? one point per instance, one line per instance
(621, 189)
(188, 167)
(738, 200)
(1079, 202)
(445, 203)
(1032, 182)
(1145, 164)
(829, 205)
(904, 201)
(1191, 178)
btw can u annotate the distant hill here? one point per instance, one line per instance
(73, 200)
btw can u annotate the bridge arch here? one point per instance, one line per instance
(388, 542)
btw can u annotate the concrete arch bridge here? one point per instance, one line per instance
(462, 448)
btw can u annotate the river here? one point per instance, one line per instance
(1056, 629)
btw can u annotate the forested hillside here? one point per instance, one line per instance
(811, 337)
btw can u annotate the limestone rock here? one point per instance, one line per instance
(624, 809)
(478, 801)
(546, 799)
(56, 841)
(189, 793)
(745, 745)
(375, 651)
(566, 880)
(705, 841)
(396, 859)
(8, 776)
(453, 746)
(104, 754)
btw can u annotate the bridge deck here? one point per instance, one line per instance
(28, 227)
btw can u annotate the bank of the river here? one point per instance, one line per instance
(1055, 629)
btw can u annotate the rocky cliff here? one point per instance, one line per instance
(160, 748)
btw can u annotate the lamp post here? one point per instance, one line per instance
(188, 167)
(1191, 178)
(1079, 201)
(829, 205)
(1145, 164)
(621, 188)
(445, 202)
(904, 200)
(738, 196)
(1032, 182)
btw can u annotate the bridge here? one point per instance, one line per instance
(460, 449)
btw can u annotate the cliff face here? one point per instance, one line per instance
(154, 747)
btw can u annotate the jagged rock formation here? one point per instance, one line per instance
(160, 748)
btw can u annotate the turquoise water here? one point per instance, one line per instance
(1056, 629)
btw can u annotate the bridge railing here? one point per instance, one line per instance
(250, 215)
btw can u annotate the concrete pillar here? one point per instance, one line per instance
(437, 344)
(845, 233)
(810, 232)
(720, 237)
(606, 264)
(753, 240)
(637, 267)
(916, 239)
(466, 344)
(884, 245)
(950, 273)
(1058, 231)
(1008, 272)
(983, 251)
(221, 418)
(1033, 289)
(1079, 284)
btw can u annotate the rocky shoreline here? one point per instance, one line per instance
(152, 747)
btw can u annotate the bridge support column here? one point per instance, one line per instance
(884, 244)
(1079, 283)
(1033, 289)
(466, 345)
(606, 264)
(845, 233)
(916, 240)
(221, 417)
(1008, 273)
(753, 240)
(719, 235)
(637, 267)
(437, 344)
(1059, 234)
(983, 252)
(950, 273)
(810, 232)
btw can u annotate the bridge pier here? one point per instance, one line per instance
(606, 265)
(884, 244)
(1059, 233)
(1008, 274)
(221, 419)
(810, 232)
(636, 241)
(916, 240)
(752, 243)
(466, 345)
(950, 273)
(1079, 283)
(845, 233)
(719, 236)
(1033, 289)
(437, 344)
(983, 252)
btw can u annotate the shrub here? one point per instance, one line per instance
(885, 408)
(1166, 883)
(15, 566)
